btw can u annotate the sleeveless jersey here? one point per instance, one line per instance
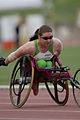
(47, 55)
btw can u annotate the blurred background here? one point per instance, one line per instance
(20, 18)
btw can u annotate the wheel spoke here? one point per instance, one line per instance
(62, 84)
(21, 82)
(19, 94)
(59, 96)
(56, 91)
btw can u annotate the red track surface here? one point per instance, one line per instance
(40, 107)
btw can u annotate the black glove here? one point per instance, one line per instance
(2, 61)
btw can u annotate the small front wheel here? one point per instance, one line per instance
(76, 90)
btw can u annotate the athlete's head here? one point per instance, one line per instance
(45, 35)
(44, 32)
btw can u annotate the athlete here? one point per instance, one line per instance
(42, 45)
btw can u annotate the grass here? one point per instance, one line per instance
(6, 71)
(70, 57)
(64, 10)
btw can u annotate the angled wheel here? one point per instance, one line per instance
(76, 90)
(21, 81)
(58, 91)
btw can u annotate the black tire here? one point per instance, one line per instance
(21, 81)
(76, 91)
(58, 91)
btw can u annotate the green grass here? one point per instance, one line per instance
(66, 10)
(70, 57)
(5, 71)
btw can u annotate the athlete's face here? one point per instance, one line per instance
(46, 37)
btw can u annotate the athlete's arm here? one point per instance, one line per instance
(27, 48)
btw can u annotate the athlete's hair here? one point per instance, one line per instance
(35, 36)
(40, 31)
(44, 29)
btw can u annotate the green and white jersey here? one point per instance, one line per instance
(47, 55)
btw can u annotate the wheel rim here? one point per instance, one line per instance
(76, 91)
(58, 94)
(20, 86)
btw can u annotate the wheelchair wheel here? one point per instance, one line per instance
(21, 81)
(76, 90)
(58, 91)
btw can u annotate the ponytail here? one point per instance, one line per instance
(35, 36)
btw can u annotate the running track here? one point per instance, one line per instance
(40, 107)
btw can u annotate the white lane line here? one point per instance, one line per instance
(40, 86)
(32, 110)
(32, 103)
(3, 118)
(30, 98)
(36, 104)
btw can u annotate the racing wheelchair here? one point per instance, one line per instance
(27, 76)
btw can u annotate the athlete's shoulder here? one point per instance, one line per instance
(30, 43)
(57, 41)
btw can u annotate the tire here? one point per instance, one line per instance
(76, 91)
(58, 91)
(21, 81)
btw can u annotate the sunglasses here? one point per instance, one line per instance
(46, 38)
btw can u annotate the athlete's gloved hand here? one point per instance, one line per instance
(2, 61)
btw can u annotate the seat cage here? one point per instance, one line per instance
(53, 73)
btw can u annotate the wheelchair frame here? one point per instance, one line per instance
(27, 76)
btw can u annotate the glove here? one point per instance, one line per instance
(2, 61)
